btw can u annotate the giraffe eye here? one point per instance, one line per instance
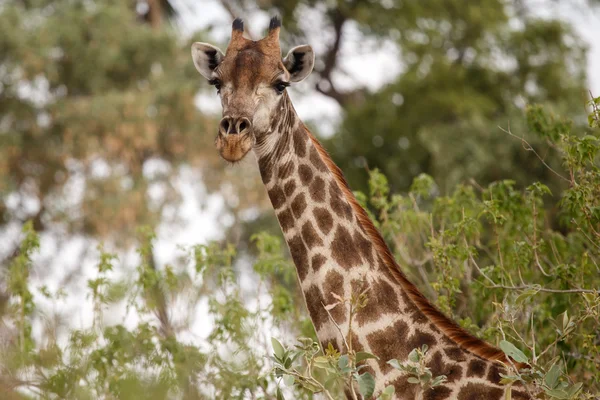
(280, 87)
(216, 83)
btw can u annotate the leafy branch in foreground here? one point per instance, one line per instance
(552, 380)
(417, 369)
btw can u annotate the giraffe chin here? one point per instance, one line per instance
(234, 148)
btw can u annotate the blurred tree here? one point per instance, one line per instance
(467, 70)
(96, 114)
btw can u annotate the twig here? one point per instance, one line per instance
(337, 326)
(495, 285)
(542, 289)
(537, 259)
(528, 147)
(348, 347)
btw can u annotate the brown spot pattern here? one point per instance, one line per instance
(417, 315)
(494, 374)
(285, 220)
(317, 261)
(299, 255)
(298, 205)
(403, 296)
(437, 393)
(277, 197)
(343, 250)
(324, 219)
(476, 368)
(386, 349)
(338, 204)
(289, 188)
(404, 388)
(286, 170)
(305, 173)
(364, 246)
(479, 391)
(315, 159)
(399, 347)
(300, 138)
(310, 235)
(265, 170)
(314, 298)
(334, 283)
(439, 367)
(382, 298)
(317, 190)
(455, 354)
(520, 395)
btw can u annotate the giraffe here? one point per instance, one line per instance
(335, 247)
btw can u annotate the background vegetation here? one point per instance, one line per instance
(484, 180)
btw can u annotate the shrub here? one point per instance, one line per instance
(517, 267)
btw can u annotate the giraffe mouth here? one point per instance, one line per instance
(234, 147)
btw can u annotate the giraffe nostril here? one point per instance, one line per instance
(225, 125)
(243, 126)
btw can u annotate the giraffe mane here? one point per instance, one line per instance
(450, 328)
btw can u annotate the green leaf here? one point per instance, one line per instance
(366, 384)
(288, 380)
(343, 362)
(277, 348)
(413, 356)
(387, 393)
(526, 295)
(574, 389)
(438, 380)
(363, 355)
(412, 379)
(510, 350)
(557, 393)
(321, 362)
(552, 376)
(394, 363)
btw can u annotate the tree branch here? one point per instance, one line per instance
(325, 84)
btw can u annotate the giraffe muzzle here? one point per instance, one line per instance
(234, 140)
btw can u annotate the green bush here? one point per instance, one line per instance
(519, 268)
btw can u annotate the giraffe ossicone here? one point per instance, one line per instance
(336, 248)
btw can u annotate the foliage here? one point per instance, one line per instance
(505, 275)
(417, 368)
(146, 356)
(497, 261)
(97, 117)
(439, 116)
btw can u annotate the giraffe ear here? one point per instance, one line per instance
(299, 62)
(206, 58)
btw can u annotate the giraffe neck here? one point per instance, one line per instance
(338, 253)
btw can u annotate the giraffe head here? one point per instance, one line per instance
(251, 78)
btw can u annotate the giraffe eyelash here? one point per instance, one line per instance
(216, 83)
